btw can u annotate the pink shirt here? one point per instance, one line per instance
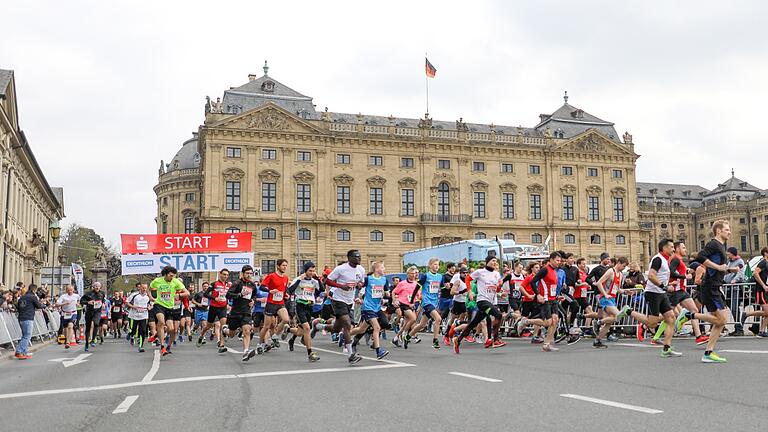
(403, 291)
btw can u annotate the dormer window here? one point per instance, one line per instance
(268, 86)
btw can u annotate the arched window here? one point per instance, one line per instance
(377, 236)
(409, 237)
(480, 235)
(620, 239)
(343, 235)
(536, 238)
(268, 233)
(443, 199)
(509, 236)
(305, 234)
(663, 226)
(232, 230)
(570, 239)
(595, 239)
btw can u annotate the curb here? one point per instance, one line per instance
(34, 348)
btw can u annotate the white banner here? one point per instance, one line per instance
(185, 263)
(77, 271)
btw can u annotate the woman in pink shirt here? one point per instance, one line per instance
(403, 293)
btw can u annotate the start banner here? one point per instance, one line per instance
(190, 243)
(185, 263)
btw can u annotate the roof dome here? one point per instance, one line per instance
(187, 157)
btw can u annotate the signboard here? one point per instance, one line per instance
(184, 263)
(77, 271)
(190, 243)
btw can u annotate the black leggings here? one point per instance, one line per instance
(90, 319)
(139, 331)
(485, 310)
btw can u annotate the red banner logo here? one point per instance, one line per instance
(176, 243)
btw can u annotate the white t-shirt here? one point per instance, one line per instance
(487, 282)
(458, 282)
(68, 304)
(346, 275)
(142, 303)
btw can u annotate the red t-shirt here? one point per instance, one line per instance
(220, 294)
(526, 286)
(273, 281)
(679, 284)
(548, 285)
(581, 291)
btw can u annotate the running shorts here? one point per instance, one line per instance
(326, 312)
(605, 302)
(546, 310)
(658, 303)
(340, 308)
(428, 308)
(712, 298)
(504, 307)
(458, 308)
(236, 321)
(200, 316)
(582, 302)
(303, 313)
(271, 309)
(677, 297)
(445, 304)
(530, 309)
(759, 296)
(258, 319)
(167, 313)
(216, 313)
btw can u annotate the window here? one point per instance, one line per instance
(233, 152)
(536, 238)
(617, 173)
(663, 226)
(268, 266)
(268, 233)
(305, 234)
(443, 164)
(406, 202)
(620, 240)
(566, 170)
(570, 239)
(701, 226)
(189, 225)
(743, 243)
(303, 198)
(509, 236)
(618, 209)
(377, 236)
(754, 220)
(343, 235)
(343, 159)
(269, 197)
(232, 195)
(535, 200)
(742, 220)
(756, 241)
(534, 169)
(377, 204)
(443, 199)
(478, 166)
(269, 154)
(591, 172)
(594, 208)
(232, 230)
(376, 160)
(680, 226)
(303, 156)
(701, 244)
(506, 167)
(189, 196)
(595, 239)
(567, 207)
(409, 237)
(165, 201)
(165, 227)
(480, 235)
(406, 162)
(478, 205)
(508, 205)
(765, 218)
(342, 199)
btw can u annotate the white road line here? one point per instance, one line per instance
(367, 358)
(636, 345)
(153, 370)
(613, 404)
(125, 405)
(493, 380)
(744, 351)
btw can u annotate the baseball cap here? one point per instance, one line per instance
(604, 256)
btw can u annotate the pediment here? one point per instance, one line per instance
(269, 117)
(592, 141)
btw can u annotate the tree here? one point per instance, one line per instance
(80, 243)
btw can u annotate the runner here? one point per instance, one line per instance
(344, 280)
(429, 286)
(545, 283)
(92, 301)
(372, 317)
(488, 284)
(241, 294)
(581, 290)
(167, 287)
(610, 286)
(403, 300)
(459, 309)
(531, 304)
(306, 288)
(117, 314)
(201, 302)
(68, 305)
(759, 301)
(138, 304)
(186, 315)
(217, 310)
(276, 284)
(446, 298)
(104, 321)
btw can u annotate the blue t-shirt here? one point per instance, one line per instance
(375, 287)
(258, 306)
(430, 288)
(317, 307)
(560, 280)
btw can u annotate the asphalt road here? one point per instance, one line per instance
(420, 389)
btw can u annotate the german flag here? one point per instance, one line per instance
(429, 69)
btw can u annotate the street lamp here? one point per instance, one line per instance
(54, 229)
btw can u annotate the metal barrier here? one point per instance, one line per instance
(10, 330)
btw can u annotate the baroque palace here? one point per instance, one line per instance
(311, 184)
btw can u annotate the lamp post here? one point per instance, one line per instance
(55, 232)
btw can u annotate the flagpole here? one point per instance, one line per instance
(426, 82)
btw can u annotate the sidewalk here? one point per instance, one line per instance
(6, 354)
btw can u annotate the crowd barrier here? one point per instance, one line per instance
(10, 330)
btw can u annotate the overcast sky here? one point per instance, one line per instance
(108, 89)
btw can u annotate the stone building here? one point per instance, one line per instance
(31, 209)
(311, 184)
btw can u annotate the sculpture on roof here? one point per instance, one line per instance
(627, 138)
(548, 132)
(207, 104)
(426, 122)
(213, 107)
(461, 126)
(161, 171)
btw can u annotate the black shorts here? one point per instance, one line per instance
(187, 313)
(712, 298)
(216, 313)
(489, 309)
(236, 321)
(458, 308)
(303, 313)
(530, 309)
(658, 303)
(404, 307)
(677, 297)
(546, 310)
(167, 313)
(326, 312)
(582, 302)
(116, 316)
(340, 308)
(759, 297)
(258, 319)
(291, 307)
(271, 309)
(175, 315)
(504, 307)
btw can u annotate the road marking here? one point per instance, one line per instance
(393, 362)
(125, 405)
(636, 345)
(153, 370)
(67, 361)
(744, 351)
(613, 404)
(493, 380)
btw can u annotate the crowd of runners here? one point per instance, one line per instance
(549, 302)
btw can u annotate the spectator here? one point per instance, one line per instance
(735, 273)
(634, 276)
(26, 305)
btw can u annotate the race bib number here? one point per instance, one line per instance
(434, 287)
(221, 299)
(553, 290)
(96, 304)
(377, 291)
(246, 293)
(309, 290)
(165, 296)
(68, 315)
(116, 309)
(140, 309)
(278, 296)
(204, 301)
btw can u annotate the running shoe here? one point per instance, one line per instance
(612, 337)
(488, 343)
(189, 338)
(259, 349)
(640, 333)
(537, 340)
(381, 353)
(284, 334)
(762, 334)
(713, 358)
(446, 341)
(525, 333)
(456, 344)
(598, 344)
(682, 318)
(128, 337)
(596, 326)
(248, 355)
(396, 342)
(624, 312)
(222, 349)
(572, 339)
(737, 333)
(275, 342)
(701, 340)
(313, 357)
(163, 351)
(199, 342)
(655, 342)
(470, 339)
(66, 346)
(667, 353)
(291, 341)
(435, 344)
(549, 348)
(416, 339)
(354, 358)
(141, 349)
(498, 343)
(406, 341)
